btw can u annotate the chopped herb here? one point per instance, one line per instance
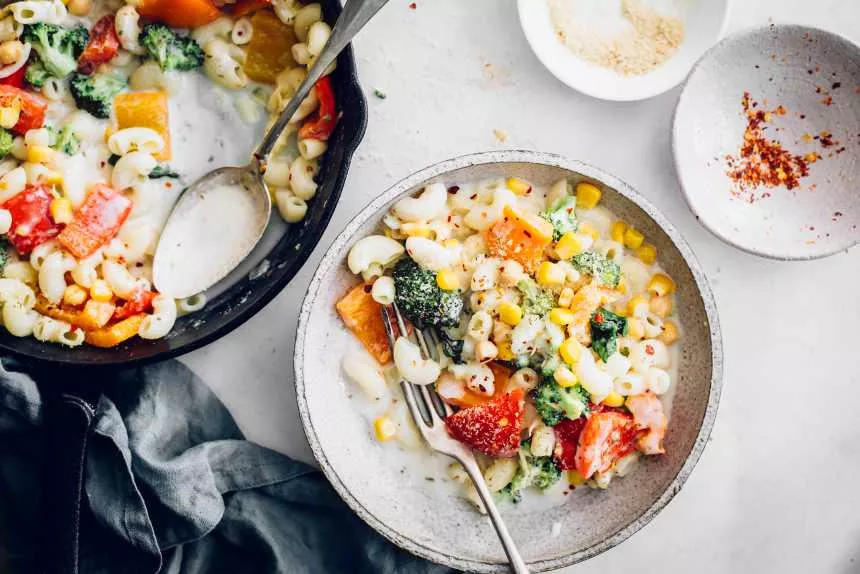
(606, 327)
(163, 171)
(379, 94)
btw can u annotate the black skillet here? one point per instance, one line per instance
(71, 378)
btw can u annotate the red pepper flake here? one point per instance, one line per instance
(649, 350)
(598, 318)
(413, 6)
(762, 162)
(453, 189)
(828, 101)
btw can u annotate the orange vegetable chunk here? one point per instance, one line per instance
(270, 49)
(60, 313)
(501, 379)
(179, 13)
(96, 314)
(96, 221)
(145, 110)
(115, 334)
(363, 316)
(522, 237)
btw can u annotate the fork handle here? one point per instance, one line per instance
(518, 565)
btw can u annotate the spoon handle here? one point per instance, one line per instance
(353, 17)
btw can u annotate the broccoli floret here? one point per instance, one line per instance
(538, 471)
(172, 52)
(36, 74)
(554, 403)
(6, 140)
(536, 301)
(58, 49)
(606, 327)
(562, 215)
(67, 142)
(421, 299)
(599, 266)
(549, 365)
(94, 94)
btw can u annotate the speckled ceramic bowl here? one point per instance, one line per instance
(815, 76)
(395, 499)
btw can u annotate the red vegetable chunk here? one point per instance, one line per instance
(140, 302)
(102, 47)
(31, 218)
(16, 79)
(492, 428)
(321, 125)
(566, 440)
(96, 222)
(32, 108)
(606, 437)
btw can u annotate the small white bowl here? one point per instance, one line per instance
(704, 20)
(792, 66)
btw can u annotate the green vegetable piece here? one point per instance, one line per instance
(170, 51)
(163, 171)
(554, 403)
(36, 74)
(537, 471)
(6, 140)
(562, 215)
(605, 270)
(94, 94)
(5, 247)
(67, 142)
(420, 298)
(57, 48)
(606, 327)
(379, 94)
(536, 301)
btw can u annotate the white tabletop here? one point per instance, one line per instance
(777, 488)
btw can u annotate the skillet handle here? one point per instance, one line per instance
(68, 418)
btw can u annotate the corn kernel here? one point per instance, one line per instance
(9, 116)
(670, 332)
(505, 351)
(633, 238)
(518, 186)
(51, 177)
(109, 131)
(75, 295)
(637, 306)
(450, 243)
(647, 254)
(589, 229)
(100, 291)
(570, 351)
(39, 154)
(385, 428)
(561, 316)
(510, 313)
(613, 399)
(564, 377)
(587, 195)
(566, 297)
(568, 246)
(622, 286)
(617, 232)
(61, 210)
(574, 478)
(635, 328)
(448, 280)
(661, 305)
(416, 230)
(549, 274)
(661, 284)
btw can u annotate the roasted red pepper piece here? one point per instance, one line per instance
(492, 428)
(31, 219)
(245, 7)
(96, 221)
(33, 108)
(16, 79)
(321, 125)
(139, 302)
(102, 47)
(566, 440)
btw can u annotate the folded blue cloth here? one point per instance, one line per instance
(172, 486)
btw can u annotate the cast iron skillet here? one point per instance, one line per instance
(244, 299)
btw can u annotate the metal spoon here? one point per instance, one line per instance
(211, 252)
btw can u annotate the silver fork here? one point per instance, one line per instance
(429, 412)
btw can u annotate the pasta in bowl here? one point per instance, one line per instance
(562, 366)
(108, 109)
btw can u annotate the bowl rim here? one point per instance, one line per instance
(702, 218)
(582, 87)
(333, 257)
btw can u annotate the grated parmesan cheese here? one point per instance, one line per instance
(643, 41)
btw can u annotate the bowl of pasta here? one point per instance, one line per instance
(108, 110)
(573, 338)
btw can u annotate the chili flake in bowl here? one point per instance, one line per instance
(766, 140)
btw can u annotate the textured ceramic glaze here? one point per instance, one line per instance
(798, 68)
(397, 501)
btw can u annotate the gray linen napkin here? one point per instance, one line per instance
(172, 486)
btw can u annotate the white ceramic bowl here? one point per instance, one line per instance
(704, 20)
(796, 67)
(387, 488)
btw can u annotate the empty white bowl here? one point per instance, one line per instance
(704, 21)
(815, 76)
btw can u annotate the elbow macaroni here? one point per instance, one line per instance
(161, 321)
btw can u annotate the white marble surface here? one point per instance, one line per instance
(777, 489)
